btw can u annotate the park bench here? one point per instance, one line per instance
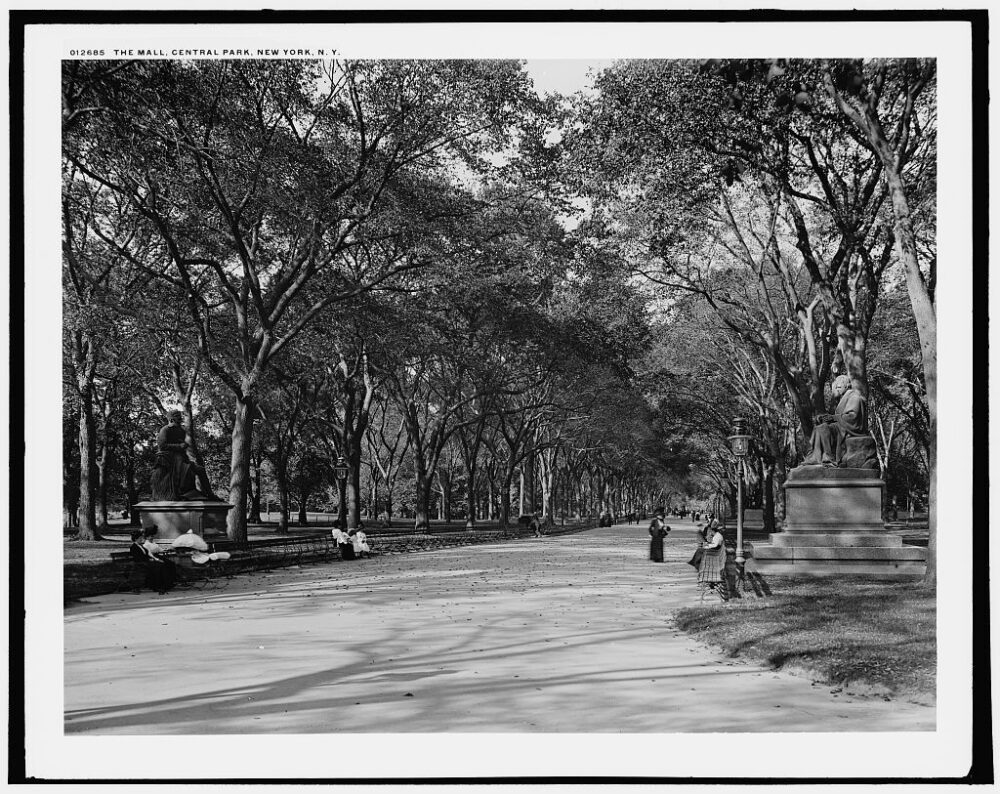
(132, 572)
(291, 550)
(254, 555)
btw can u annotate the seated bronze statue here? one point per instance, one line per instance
(176, 477)
(841, 439)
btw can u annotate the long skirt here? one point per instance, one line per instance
(712, 566)
(160, 576)
(656, 549)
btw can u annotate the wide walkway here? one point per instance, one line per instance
(568, 633)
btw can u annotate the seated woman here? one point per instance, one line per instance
(359, 540)
(160, 573)
(712, 570)
(344, 543)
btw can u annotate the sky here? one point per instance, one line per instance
(564, 76)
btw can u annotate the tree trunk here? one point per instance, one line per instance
(470, 490)
(239, 477)
(303, 517)
(921, 301)
(547, 491)
(102, 489)
(528, 484)
(505, 500)
(88, 479)
(342, 503)
(132, 491)
(567, 494)
(925, 314)
(73, 502)
(446, 489)
(354, 488)
(184, 398)
(731, 495)
(255, 495)
(769, 498)
(284, 499)
(490, 499)
(421, 518)
(284, 508)
(930, 577)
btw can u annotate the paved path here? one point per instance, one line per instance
(567, 634)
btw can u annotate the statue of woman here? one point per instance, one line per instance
(175, 476)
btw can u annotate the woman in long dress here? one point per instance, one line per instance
(657, 532)
(344, 543)
(160, 573)
(360, 542)
(712, 570)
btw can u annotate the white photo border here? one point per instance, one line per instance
(945, 752)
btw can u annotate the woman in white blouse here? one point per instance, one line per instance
(360, 541)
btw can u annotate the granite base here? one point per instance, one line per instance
(173, 519)
(834, 526)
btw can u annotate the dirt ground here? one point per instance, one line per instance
(554, 634)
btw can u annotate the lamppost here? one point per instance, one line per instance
(740, 443)
(340, 472)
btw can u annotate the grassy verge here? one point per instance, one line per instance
(875, 637)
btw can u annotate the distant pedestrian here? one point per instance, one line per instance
(657, 532)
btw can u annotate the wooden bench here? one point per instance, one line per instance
(278, 552)
(133, 572)
(253, 555)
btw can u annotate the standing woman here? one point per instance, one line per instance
(712, 571)
(657, 532)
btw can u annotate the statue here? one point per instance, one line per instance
(841, 440)
(177, 478)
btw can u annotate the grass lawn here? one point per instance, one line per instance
(879, 637)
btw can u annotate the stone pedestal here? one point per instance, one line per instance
(753, 524)
(833, 526)
(173, 519)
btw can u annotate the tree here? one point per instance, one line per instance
(290, 402)
(892, 105)
(766, 189)
(387, 446)
(259, 178)
(735, 178)
(94, 291)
